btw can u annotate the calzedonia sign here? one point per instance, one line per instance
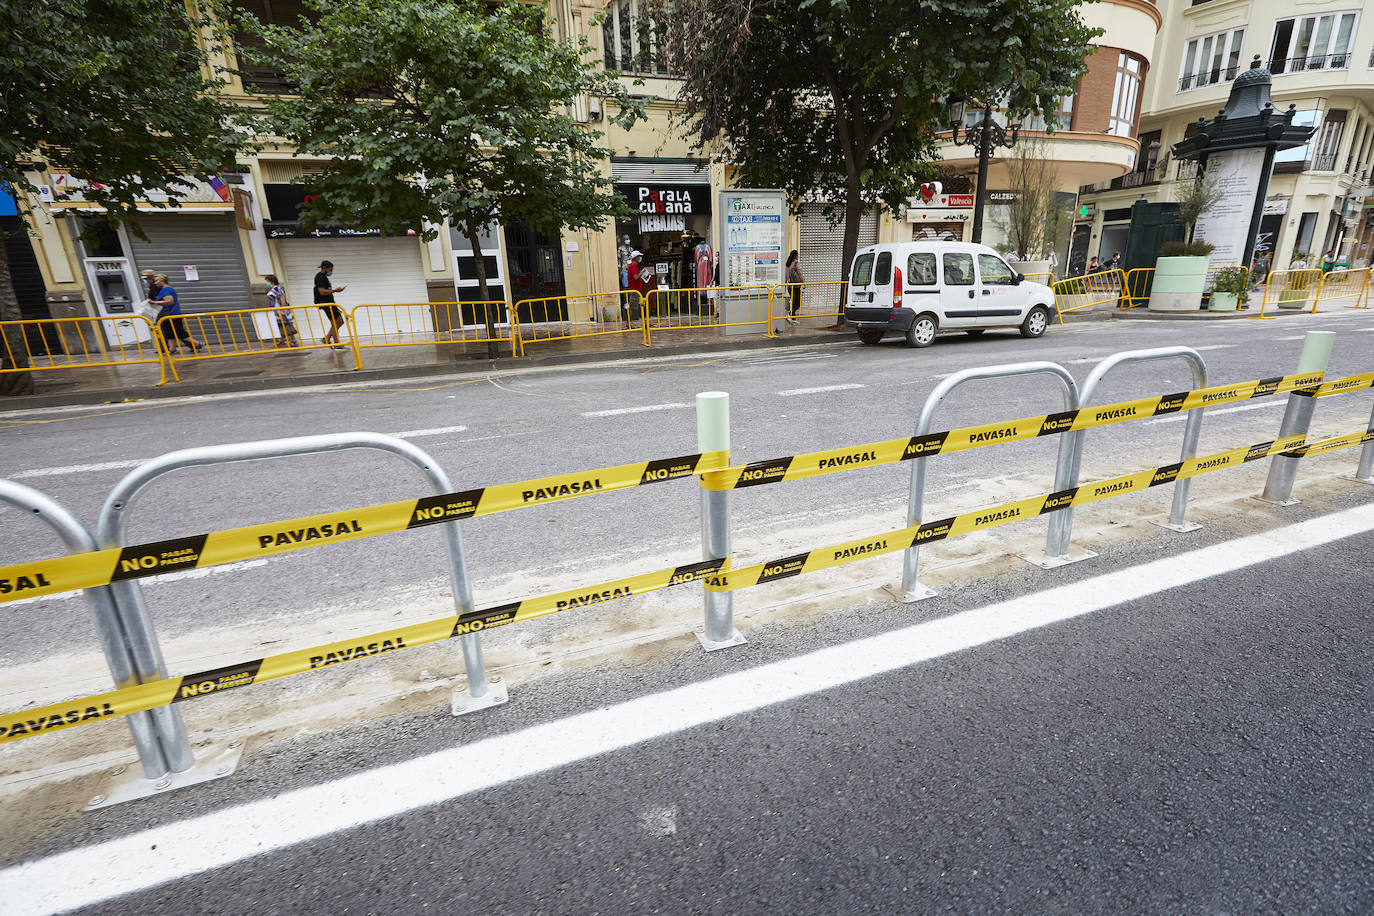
(666, 198)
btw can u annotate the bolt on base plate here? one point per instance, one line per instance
(213, 761)
(464, 702)
(918, 593)
(710, 645)
(1181, 529)
(1045, 561)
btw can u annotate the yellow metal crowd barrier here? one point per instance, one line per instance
(1136, 288)
(1075, 293)
(708, 307)
(243, 332)
(1289, 289)
(819, 299)
(1040, 276)
(572, 317)
(415, 324)
(82, 343)
(1340, 285)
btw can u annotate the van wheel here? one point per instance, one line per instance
(870, 337)
(1036, 322)
(922, 331)
(975, 332)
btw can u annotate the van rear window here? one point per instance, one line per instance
(883, 274)
(863, 270)
(920, 269)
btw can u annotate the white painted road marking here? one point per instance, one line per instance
(624, 410)
(436, 431)
(135, 462)
(1176, 418)
(795, 391)
(78, 469)
(147, 858)
(1217, 347)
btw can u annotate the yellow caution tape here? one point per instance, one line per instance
(1343, 385)
(101, 567)
(891, 451)
(716, 574)
(189, 687)
(981, 519)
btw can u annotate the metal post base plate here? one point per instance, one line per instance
(918, 593)
(213, 761)
(1181, 529)
(711, 645)
(464, 702)
(1354, 477)
(1045, 561)
(1278, 502)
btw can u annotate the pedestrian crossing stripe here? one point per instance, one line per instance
(717, 575)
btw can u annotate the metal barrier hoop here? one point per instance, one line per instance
(147, 654)
(112, 638)
(1061, 523)
(912, 590)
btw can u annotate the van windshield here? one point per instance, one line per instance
(863, 270)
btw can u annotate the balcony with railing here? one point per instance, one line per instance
(1324, 162)
(1208, 78)
(1335, 61)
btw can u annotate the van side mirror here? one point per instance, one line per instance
(1020, 278)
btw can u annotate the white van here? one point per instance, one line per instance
(920, 288)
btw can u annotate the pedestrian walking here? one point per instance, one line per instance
(324, 301)
(794, 281)
(1328, 262)
(169, 307)
(286, 322)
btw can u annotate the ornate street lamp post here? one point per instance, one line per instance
(984, 138)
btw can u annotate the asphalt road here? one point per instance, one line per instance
(1150, 756)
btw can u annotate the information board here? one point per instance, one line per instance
(751, 237)
(1238, 174)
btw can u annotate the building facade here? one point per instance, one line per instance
(219, 247)
(1321, 55)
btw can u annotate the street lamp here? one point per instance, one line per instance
(984, 138)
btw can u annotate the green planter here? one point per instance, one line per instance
(1293, 298)
(1223, 302)
(1178, 284)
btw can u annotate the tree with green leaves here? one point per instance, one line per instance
(845, 97)
(434, 110)
(1195, 196)
(116, 92)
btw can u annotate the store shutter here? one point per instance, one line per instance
(210, 243)
(822, 247)
(374, 270)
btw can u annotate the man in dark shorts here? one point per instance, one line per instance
(324, 299)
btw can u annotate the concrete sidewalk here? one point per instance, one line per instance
(213, 373)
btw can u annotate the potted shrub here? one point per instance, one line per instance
(1180, 277)
(1230, 289)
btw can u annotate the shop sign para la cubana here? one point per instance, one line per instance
(666, 198)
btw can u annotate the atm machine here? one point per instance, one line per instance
(117, 291)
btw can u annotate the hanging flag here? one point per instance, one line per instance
(220, 188)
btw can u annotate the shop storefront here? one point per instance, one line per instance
(937, 215)
(822, 246)
(671, 203)
(374, 267)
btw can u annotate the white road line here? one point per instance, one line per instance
(624, 410)
(1217, 347)
(1304, 336)
(790, 392)
(436, 431)
(77, 469)
(155, 581)
(1178, 418)
(157, 855)
(135, 462)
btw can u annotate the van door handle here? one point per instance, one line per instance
(987, 292)
(970, 294)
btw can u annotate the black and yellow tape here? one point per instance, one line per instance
(891, 451)
(716, 575)
(994, 516)
(1342, 385)
(189, 687)
(84, 570)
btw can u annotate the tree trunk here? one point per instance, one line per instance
(483, 291)
(853, 218)
(14, 352)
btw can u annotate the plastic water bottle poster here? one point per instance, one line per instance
(191, 272)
